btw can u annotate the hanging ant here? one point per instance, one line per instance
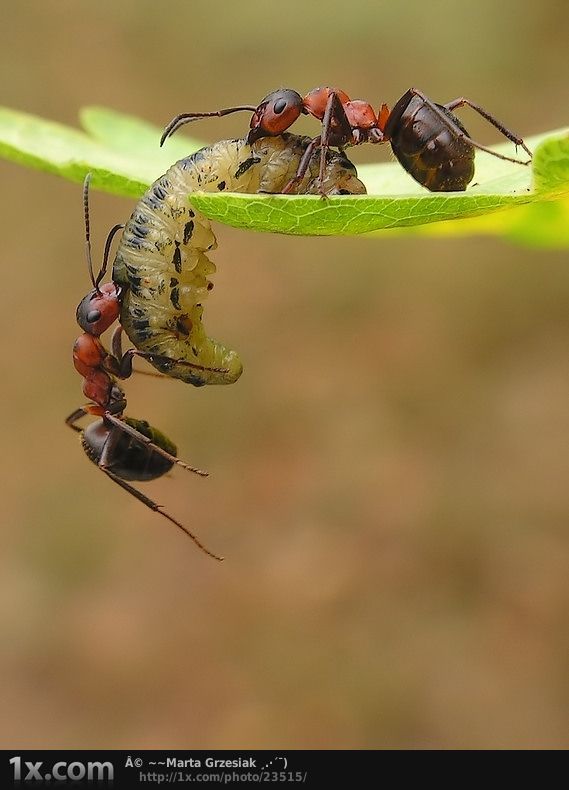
(427, 138)
(123, 448)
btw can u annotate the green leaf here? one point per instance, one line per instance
(526, 204)
(499, 185)
(121, 152)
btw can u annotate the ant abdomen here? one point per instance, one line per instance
(429, 150)
(127, 457)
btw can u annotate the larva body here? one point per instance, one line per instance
(162, 266)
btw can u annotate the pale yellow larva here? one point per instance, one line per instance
(162, 264)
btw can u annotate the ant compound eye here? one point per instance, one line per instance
(93, 316)
(279, 106)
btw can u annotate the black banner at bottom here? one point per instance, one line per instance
(153, 769)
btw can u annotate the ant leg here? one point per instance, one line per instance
(302, 166)
(121, 364)
(462, 135)
(188, 117)
(140, 437)
(90, 409)
(461, 102)
(129, 355)
(74, 417)
(334, 112)
(153, 374)
(158, 509)
(108, 242)
(116, 343)
(108, 449)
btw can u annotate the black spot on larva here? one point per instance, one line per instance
(221, 186)
(188, 231)
(139, 230)
(133, 242)
(195, 350)
(173, 282)
(159, 191)
(161, 287)
(142, 329)
(177, 259)
(191, 213)
(244, 166)
(140, 323)
(174, 297)
(210, 286)
(153, 202)
(137, 312)
(182, 325)
(344, 192)
(149, 293)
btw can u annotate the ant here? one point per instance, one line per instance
(124, 448)
(427, 138)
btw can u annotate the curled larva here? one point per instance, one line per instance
(162, 266)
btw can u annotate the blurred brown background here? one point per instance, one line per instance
(389, 478)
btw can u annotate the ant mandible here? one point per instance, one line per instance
(427, 138)
(125, 449)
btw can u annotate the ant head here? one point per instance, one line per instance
(275, 114)
(99, 309)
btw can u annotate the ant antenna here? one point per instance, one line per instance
(188, 117)
(88, 231)
(102, 271)
(108, 243)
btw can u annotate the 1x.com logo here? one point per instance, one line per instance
(94, 771)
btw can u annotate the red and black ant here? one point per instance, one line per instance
(427, 138)
(123, 448)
